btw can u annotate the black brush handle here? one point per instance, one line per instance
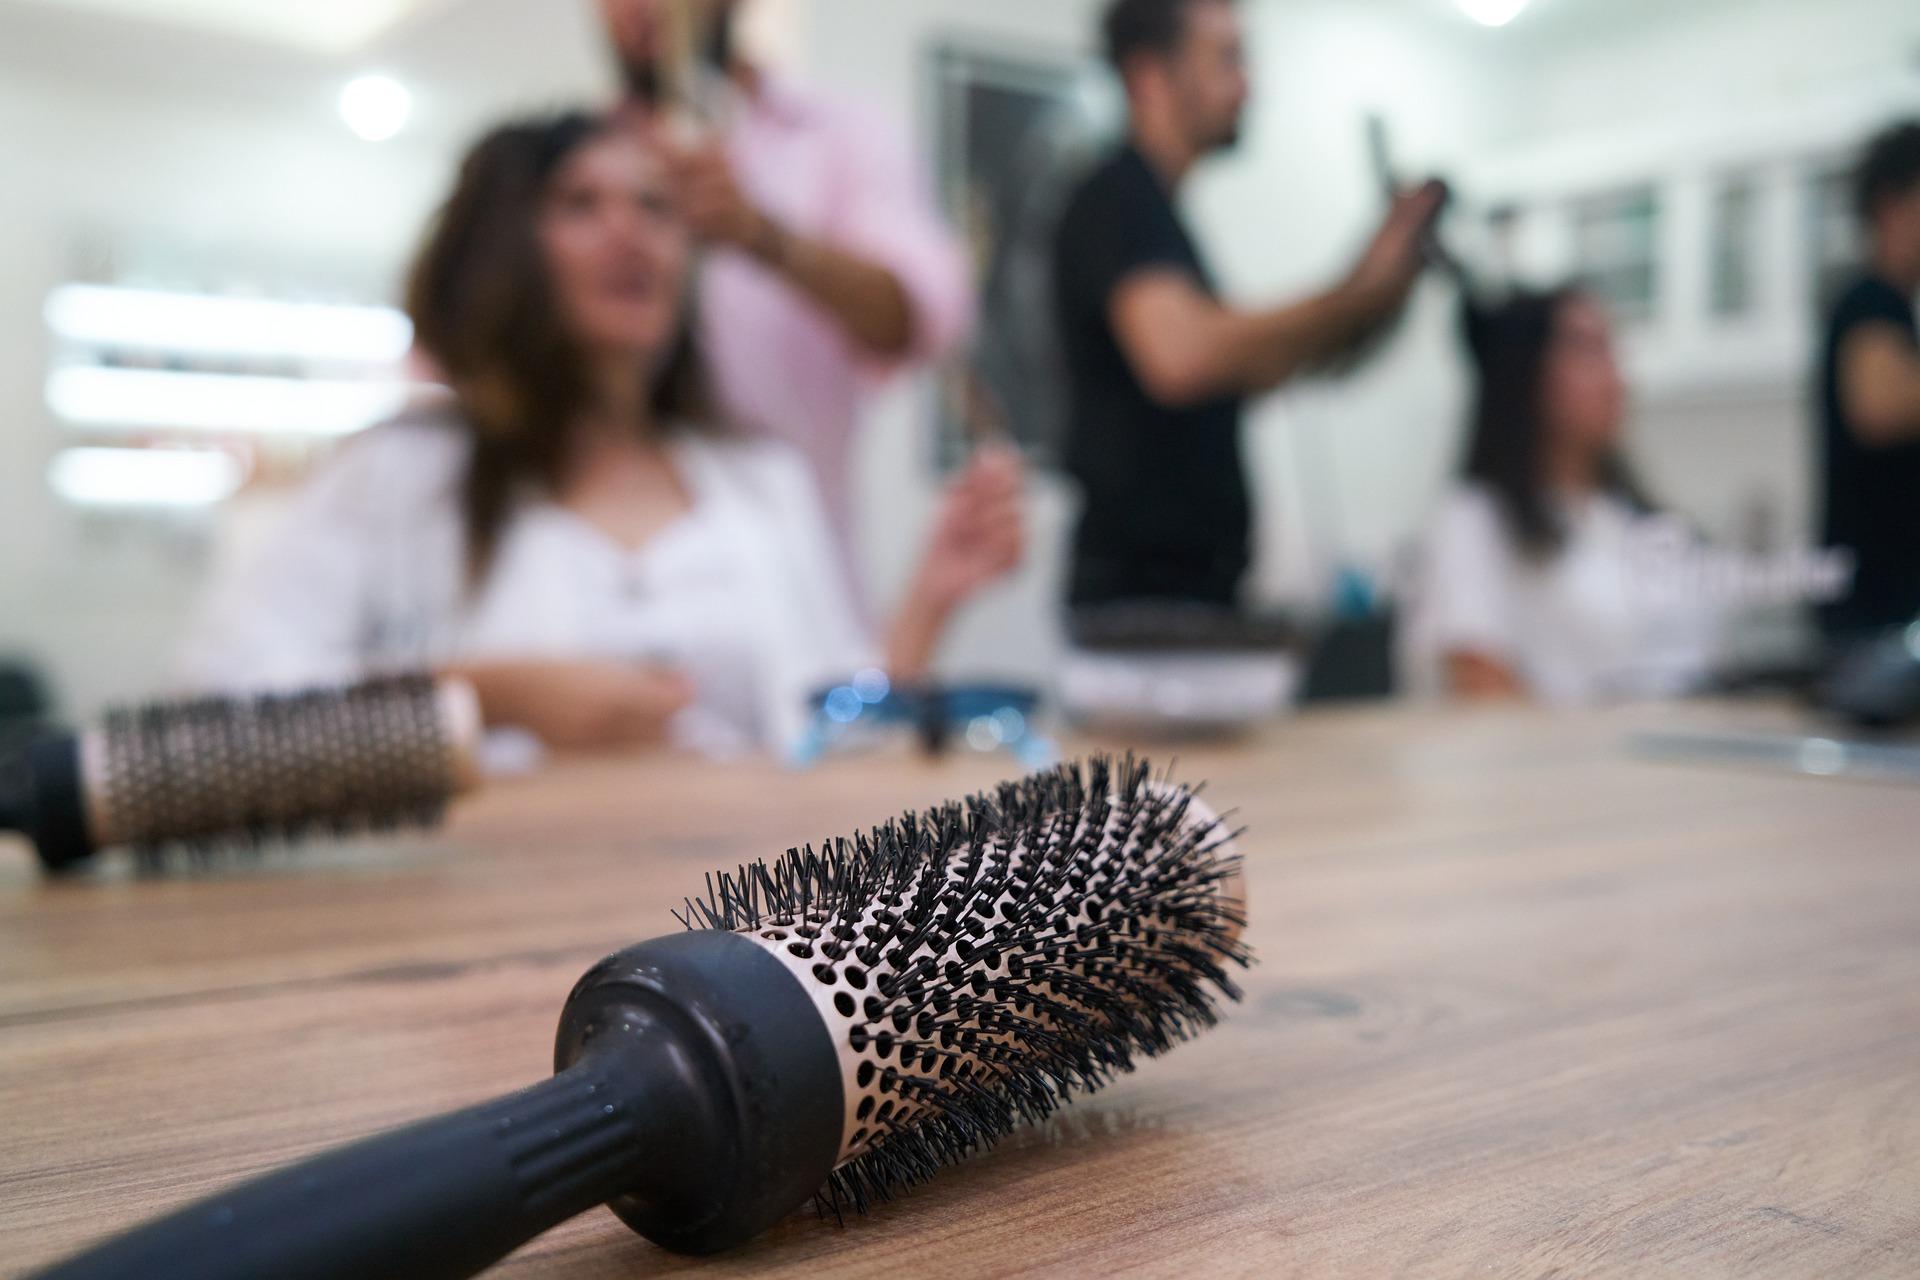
(441, 1199)
(697, 1091)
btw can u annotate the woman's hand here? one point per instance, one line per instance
(580, 706)
(1474, 677)
(979, 536)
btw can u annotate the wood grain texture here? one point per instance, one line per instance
(1527, 1005)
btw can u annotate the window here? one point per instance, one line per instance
(1616, 245)
(1733, 250)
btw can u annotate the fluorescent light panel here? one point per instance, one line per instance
(316, 26)
(124, 478)
(145, 398)
(206, 324)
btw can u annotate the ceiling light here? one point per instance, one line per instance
(375, 107)
(206, 324)
(154, 398)
(143, 477)
(1492, 13)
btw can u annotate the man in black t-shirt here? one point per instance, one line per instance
(1158, 367)
(1870, 399)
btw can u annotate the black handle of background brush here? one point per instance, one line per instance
(41, 797)
(441, 1199)
(16, 783)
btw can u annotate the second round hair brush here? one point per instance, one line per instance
(229, 773)
(835, 1024)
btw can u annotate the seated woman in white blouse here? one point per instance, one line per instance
(1540, 575)
(575, 535)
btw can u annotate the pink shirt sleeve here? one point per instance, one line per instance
(885, 212)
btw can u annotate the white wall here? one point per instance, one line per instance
(1720, 60)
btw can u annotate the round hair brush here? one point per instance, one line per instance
(836, 1024)
(233, 772)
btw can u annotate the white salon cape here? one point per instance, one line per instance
(367, 575)
(1608, 617)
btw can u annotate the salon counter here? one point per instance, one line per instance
(1528, 1002)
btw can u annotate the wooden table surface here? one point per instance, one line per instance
(1527, 1005)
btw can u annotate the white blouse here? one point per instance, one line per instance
(743, 594)
(1605, 618)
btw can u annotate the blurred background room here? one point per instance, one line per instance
(209, 206)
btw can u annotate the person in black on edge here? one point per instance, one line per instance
(1870, 399)
(1158, 367)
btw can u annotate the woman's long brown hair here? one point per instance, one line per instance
(1506, 443)
(483, 308)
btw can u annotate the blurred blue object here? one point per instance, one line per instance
(1354, 594)
(985, 717)
(843, 705)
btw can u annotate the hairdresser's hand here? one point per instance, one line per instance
(580, 706)
(980, 533)
(637, 30)
(711, 200)
(1385, 275)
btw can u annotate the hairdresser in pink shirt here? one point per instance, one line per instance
(827, 267)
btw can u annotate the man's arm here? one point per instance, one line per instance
(1186, 348)
(1880, 384)
(865, 298)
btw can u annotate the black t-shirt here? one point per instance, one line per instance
(1166, 514)
(1872, 492)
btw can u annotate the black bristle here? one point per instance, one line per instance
(1011, 953)
(190, 782)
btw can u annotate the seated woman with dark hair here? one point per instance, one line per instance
(576, 535)
(1540, 576)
